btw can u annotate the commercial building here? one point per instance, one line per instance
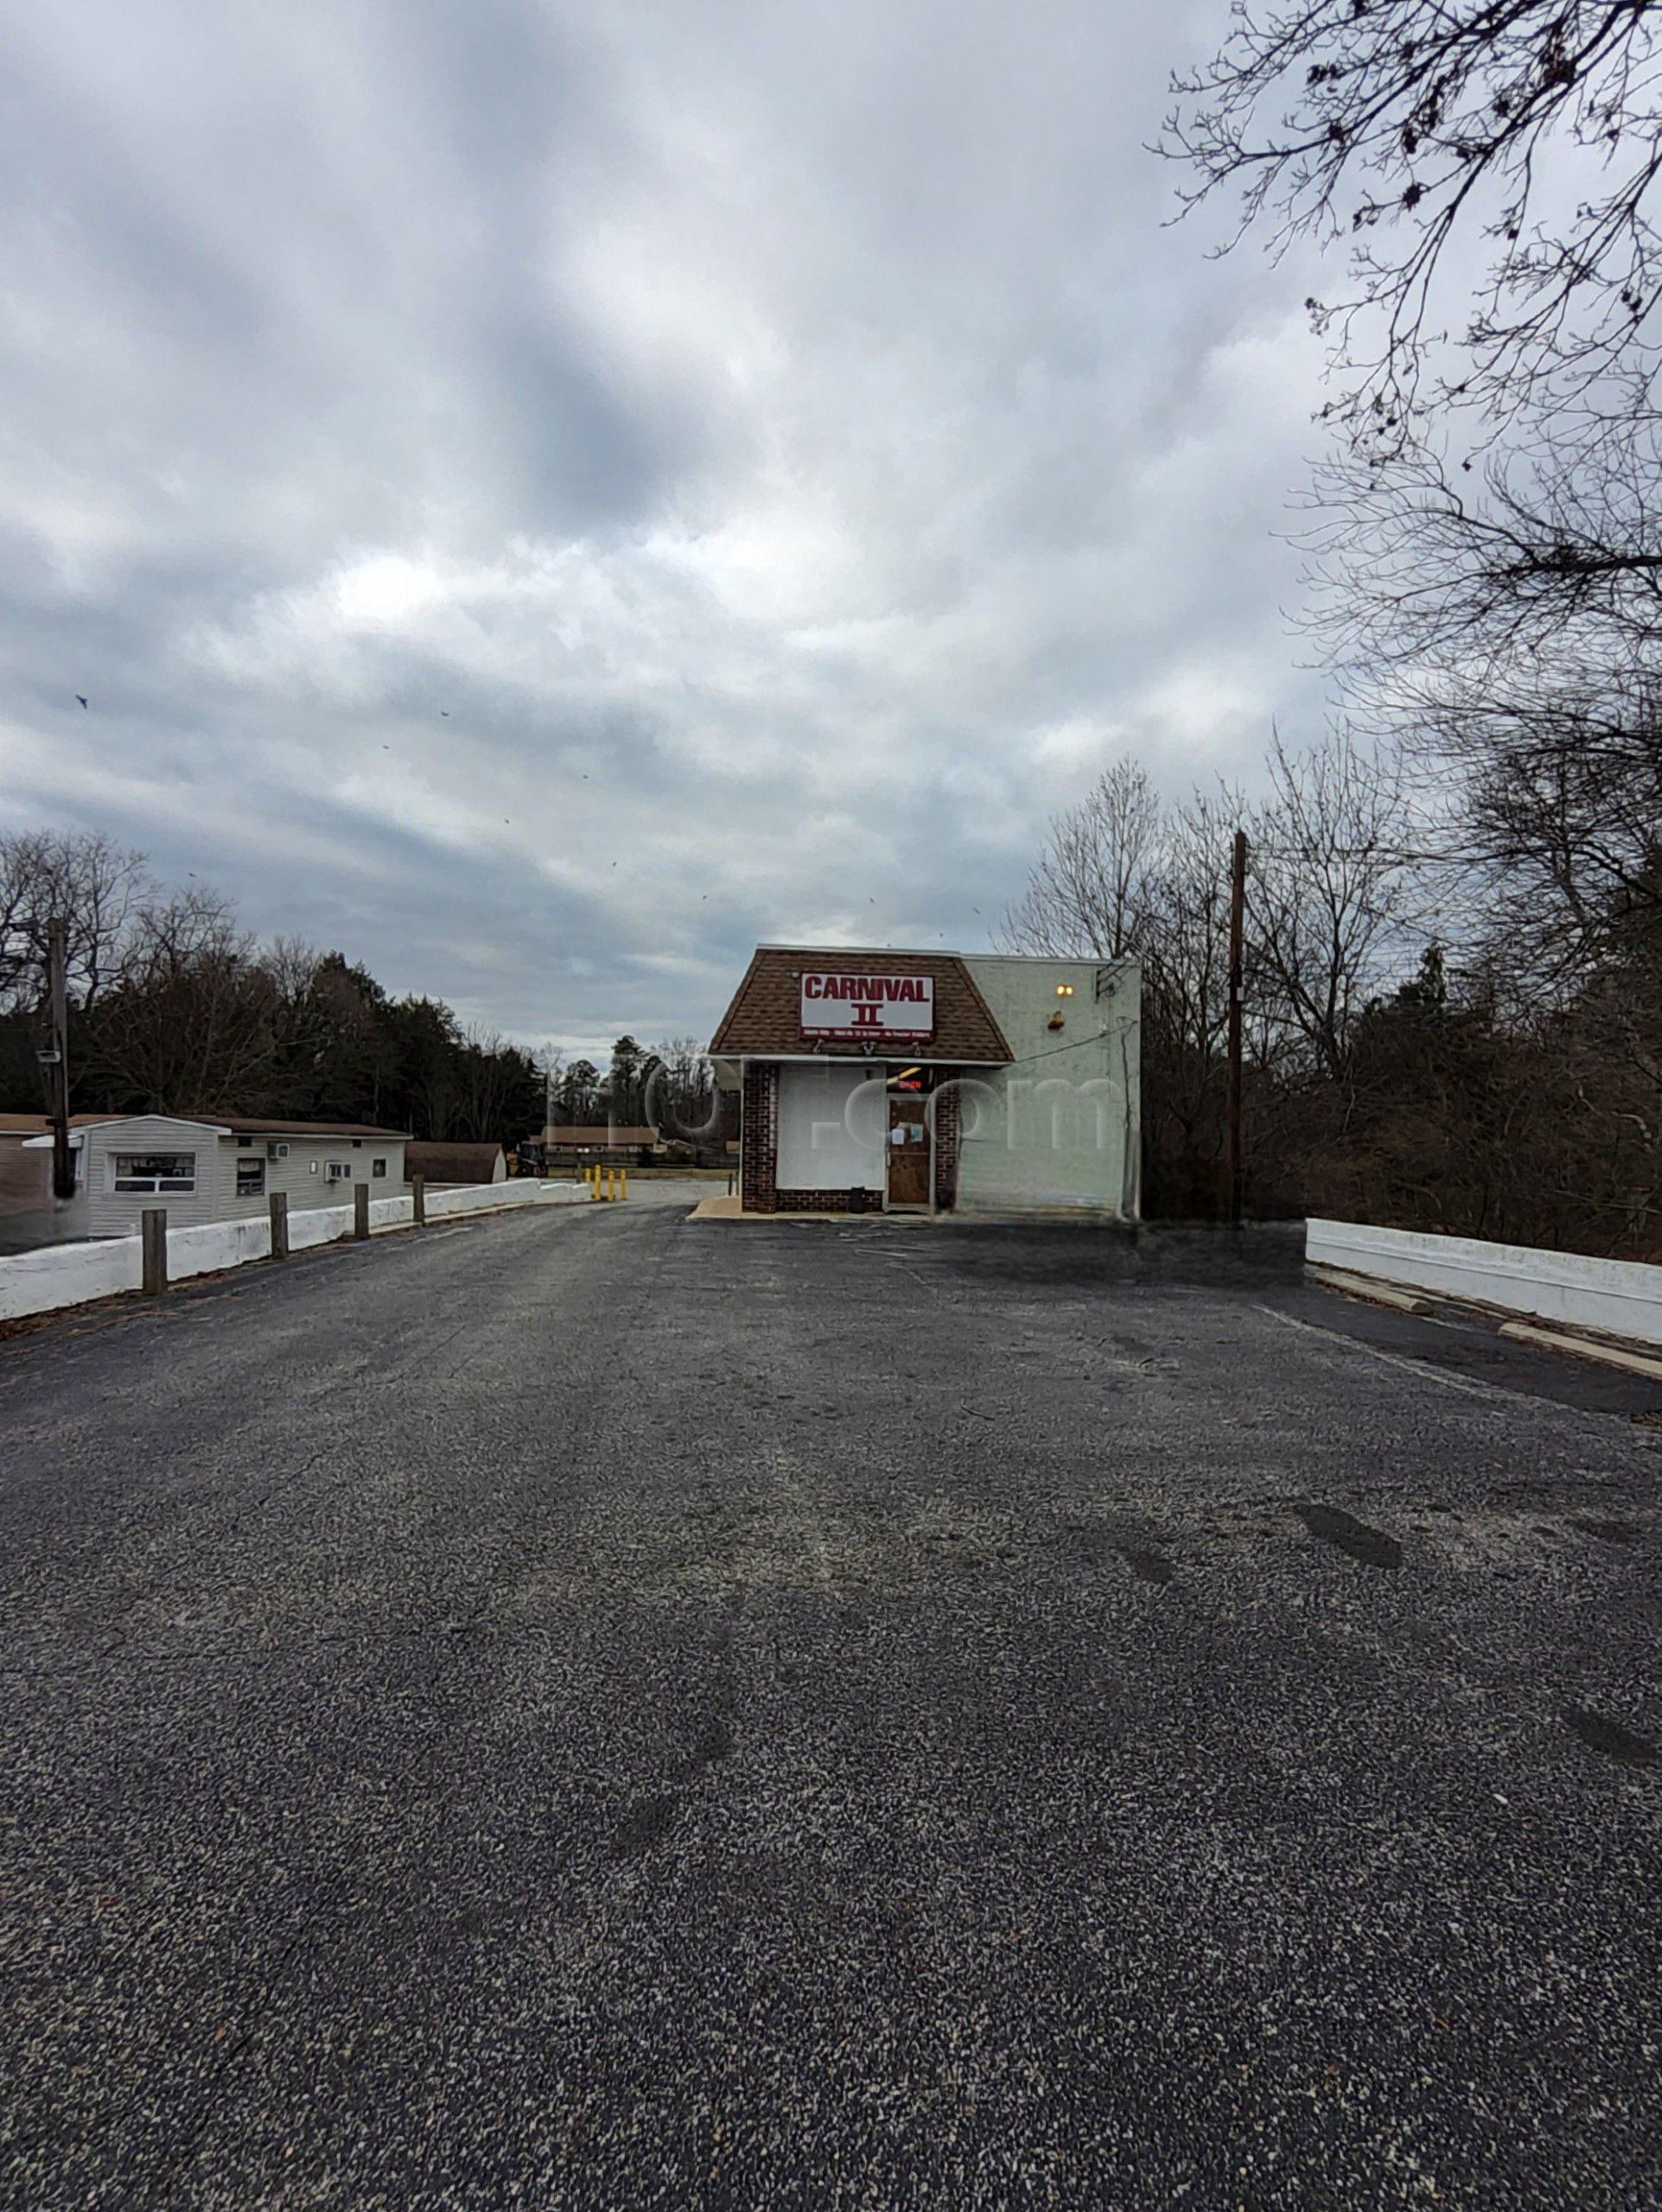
(214, 1167)
(933, 1082)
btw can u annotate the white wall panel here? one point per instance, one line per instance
(1623, 1298)
(831, 1127)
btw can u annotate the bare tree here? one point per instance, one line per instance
(189, 1025)
(1091, 888)
(1122, 873)
(1558, 778)
(292, 965)
(1424, 566)
(97, 888)
(1506, 637)
(1417, 132)
(551, 1067)
(1330, 896)
(679, 1093)
(488, 1081)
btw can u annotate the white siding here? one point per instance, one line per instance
(828, 1138)
(110, 1212)
(303, 1174)
(1059, 1128)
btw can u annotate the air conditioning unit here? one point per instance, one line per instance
(277, 1152)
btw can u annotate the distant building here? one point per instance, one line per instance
(455, 1163)
(934, 1082)
(209, 1167)
(599, 1143)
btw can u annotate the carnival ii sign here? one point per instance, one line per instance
(869, 1009)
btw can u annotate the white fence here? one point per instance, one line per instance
(1616, 1298)
(73, 1275)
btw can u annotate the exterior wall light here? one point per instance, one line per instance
(1064, 990)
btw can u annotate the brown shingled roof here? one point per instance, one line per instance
(764, 1018)
(37, 1125)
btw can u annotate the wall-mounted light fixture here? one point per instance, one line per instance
(1064, 990)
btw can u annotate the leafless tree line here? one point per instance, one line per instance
(1480, 178)
(175, 1008)
(1454, 1009)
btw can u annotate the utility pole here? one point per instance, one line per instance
(1232, 1103)
(57, 1061)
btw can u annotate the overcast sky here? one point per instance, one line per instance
(542, 497)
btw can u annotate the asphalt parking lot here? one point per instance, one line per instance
(595, 1710)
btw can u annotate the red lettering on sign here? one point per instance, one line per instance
(861, 1007)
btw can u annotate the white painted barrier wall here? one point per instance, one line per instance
(73, 1275)
(67, 1274)
(1619, 1298)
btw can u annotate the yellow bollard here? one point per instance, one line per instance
(611, 1183)
(623, 1182)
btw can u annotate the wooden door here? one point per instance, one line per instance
(908, 1150)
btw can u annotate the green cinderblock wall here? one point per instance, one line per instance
(1060, 1129)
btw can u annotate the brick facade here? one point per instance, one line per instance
(824, 1201)
(943, 1105)
(759, 1191)
(759, 1138)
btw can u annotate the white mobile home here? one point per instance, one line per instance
(218, 1167)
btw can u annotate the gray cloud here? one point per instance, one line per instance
(542, 498)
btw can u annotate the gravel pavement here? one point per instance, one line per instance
(595, 1710)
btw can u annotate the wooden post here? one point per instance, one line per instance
(360, 1211)
(63, 1169)
(153, 1248)
(418, 1200)
(1232, 1101)
(278, 1204)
